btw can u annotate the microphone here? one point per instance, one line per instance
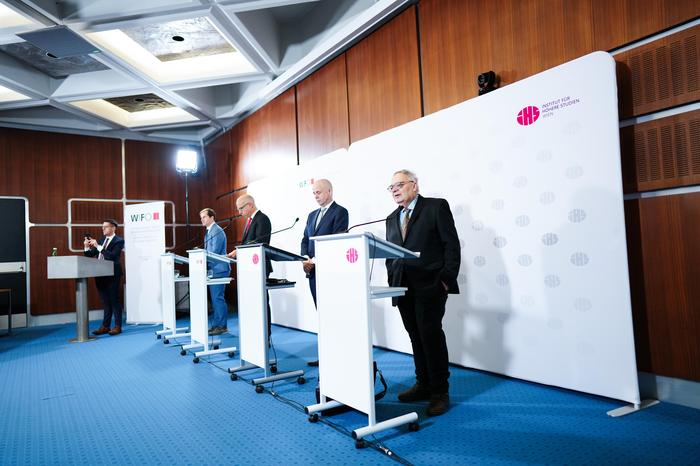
(230, 220)
(255, 240)
(366, 223)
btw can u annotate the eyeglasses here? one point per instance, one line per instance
(398, 185)
(240, 209)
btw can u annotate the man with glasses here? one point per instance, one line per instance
(257, 229)
(424, 225)
(330, 218)
(109, 248)
(215, 241)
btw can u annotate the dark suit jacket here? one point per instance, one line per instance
(112, 253)
(334, 221)
(259, 232)
(432, 232)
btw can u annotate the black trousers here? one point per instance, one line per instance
(108, 289)
(422, 318)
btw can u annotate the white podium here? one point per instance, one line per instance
(343, 294)
(199, 331)
(252, 312)
(167, 300)
(80, 268)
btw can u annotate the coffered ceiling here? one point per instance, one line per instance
(164, 70)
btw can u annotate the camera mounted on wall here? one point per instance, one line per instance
(487, 82)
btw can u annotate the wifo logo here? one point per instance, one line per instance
(528, 115)
(351, 255)
(145, 217)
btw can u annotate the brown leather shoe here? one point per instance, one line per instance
(101, 331)
(415, 393)
(115, 331)
(439, 404)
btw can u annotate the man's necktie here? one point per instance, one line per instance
(320, 216)
(404, 224)
(247, 226)
(104, 248)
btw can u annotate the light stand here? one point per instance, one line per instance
(186, 163)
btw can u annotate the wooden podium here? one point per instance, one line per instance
(79, 268)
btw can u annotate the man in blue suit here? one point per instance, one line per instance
(329, 219)
(215, 241)
(109, 248)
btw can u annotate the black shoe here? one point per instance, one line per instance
(415, 393)
(312, 363)
(439, 404)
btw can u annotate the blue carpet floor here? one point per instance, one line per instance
(131, 399)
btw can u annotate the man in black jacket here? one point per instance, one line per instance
(109, 247)
(424, 225)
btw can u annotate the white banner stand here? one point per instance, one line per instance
(252, 312)
(199, 334)
(345, 356)
(167, 286)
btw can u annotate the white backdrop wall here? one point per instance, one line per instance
(539, 211)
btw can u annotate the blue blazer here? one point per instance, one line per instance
(215, 241)
(334, 221)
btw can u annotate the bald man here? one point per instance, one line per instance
(330, 218)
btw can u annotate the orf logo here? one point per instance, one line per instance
(256, 259)
(351, 255)
(528, 115)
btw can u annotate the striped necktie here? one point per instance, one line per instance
(404, 224)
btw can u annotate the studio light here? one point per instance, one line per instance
(186, 161)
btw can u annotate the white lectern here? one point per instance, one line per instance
(80, 268)
(252, 311)
(343, 294)
(199, 334)
(167, 300)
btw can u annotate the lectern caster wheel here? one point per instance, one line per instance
(259, 389)
(231, 354)
(183, 352)
(273, 368)
(166, 341)
(234, 377)
(301, 380)
(216, 347)
(313, 418)
(195, 360)
(360, 443)
(413, 426)
(158, 337)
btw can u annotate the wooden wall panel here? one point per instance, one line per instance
(661, 74)
(663, 153)
(670, 226)
(50, 168)
(266, 141)
(383, 78)
(461, 39)
(618, 22)
(322, 111)
(151, 175)
(219, 177)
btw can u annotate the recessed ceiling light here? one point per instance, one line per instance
(51, 55)
(178, 38)
(138, 99)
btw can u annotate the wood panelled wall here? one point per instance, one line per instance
(51, 168)
(427, 58)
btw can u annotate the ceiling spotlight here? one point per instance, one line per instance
(138, 99)
(51, 55)
(486, 82)
(178, 38)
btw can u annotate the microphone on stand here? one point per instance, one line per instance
(230, 221)
(366, 223)
(255, 240)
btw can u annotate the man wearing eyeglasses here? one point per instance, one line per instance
(257, 229)
(424, 225)
(330, 218)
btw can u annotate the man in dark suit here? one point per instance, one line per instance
(109, 247)
(330, 218)
(424, 225)
(215, 241)
(258, 229)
